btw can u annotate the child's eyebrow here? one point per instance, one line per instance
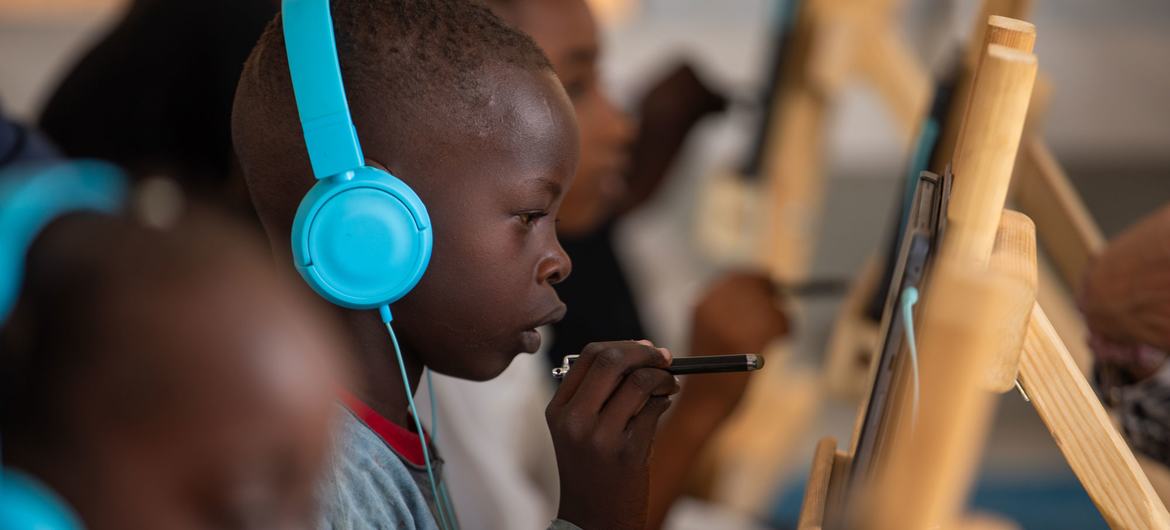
(553, 187)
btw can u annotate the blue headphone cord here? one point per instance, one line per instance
(909, 298)
(385, 311)
(445, 503)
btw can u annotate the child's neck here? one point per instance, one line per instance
(378, 380)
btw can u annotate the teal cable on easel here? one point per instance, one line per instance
(909, 298)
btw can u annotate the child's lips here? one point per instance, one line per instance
(551, 317)
(530, 338)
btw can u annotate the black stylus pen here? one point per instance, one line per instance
(703, 364)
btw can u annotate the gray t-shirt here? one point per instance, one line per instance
(372, 486)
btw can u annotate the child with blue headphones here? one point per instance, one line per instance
(150, 377)
(464, 115)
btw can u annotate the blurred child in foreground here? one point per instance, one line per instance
(163, 378)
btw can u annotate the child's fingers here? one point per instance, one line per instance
(640, 432)
(606, 365)
(639, 387)
(571, 382)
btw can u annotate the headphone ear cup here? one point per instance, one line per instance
(365, 241)
(28, 505)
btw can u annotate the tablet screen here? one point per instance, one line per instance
(925, 225)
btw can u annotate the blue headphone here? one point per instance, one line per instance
(31, 197)
(361, 237)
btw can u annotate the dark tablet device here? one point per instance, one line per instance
(923, 231)
(925, 150)
(780, 63)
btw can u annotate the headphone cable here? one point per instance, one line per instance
(439, 504)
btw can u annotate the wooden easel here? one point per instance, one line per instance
(962, 319)
(770, 221)
(773, 222)
(930, 472)
(1068, 234)
(1041, 189)
(854, 335)
(1069, 238)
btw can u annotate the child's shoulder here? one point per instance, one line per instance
(368, 485)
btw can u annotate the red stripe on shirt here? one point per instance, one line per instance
(404, 442)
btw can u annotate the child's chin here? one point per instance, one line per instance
(493, 365)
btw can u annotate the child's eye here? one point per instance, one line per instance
(530, 218)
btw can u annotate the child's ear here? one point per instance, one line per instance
(378, 165)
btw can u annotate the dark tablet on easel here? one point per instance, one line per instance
(781, 58)
(925, 150)
(923, 231)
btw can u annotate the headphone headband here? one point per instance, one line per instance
(361, 238)
(32, 196)
(330, 136)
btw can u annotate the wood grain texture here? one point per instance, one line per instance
(1010, 32)
(932, 462)
(1014, 256)
(986, 152)
(990, 29)
(1017, 9)
(1065, 227)
(1058, 303)
(816, 490)
(1078, 422)
(1159, 476)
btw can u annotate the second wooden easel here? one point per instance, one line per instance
(772, 221)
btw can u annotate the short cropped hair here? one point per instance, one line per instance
(412, 64)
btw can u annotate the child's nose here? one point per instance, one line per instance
(555, 267)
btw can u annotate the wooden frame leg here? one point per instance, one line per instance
(1081, 427)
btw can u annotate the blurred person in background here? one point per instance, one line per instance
(161, 378)
(154, 95)
(507, 478)
(20, 143)
(1126, 302)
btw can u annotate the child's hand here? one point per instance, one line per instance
(679, 98)
(669, 110)
(1126, 294)
(602, 419)
(737, 314)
